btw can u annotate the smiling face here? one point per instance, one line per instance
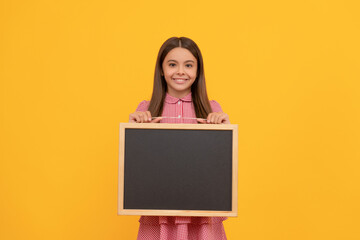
(179, 69)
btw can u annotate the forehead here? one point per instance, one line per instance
(180, 54)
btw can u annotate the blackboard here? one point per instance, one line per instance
(178, 169)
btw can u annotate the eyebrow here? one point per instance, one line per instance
(171, 60)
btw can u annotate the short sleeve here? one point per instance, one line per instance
(215, 106)
(143, 106)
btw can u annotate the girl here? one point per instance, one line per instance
(179, 96)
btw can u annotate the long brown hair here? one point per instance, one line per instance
(198, 88)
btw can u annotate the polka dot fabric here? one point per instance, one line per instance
(180, 228)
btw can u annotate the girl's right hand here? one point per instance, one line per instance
(143, 117)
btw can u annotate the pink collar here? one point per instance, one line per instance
(171, 99)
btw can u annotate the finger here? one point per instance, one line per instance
(136, 117)
(156, 120)
(226, 119)
(131, 118)
(221, 118)
(208, 119)
(148, 115)
(212, 118)
(144, 117)
(216, 118)
(141, 117)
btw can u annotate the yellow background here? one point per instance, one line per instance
(287, 72)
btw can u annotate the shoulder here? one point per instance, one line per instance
(215, 106)
(143, 106)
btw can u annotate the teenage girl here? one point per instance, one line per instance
(179, 96)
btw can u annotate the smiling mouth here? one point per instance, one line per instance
(180, 80)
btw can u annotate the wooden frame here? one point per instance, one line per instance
(156, 212)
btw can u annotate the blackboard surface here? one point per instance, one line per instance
(178, 169)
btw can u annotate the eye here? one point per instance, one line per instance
(172, 64)
(189, 65)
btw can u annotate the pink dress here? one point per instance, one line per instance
(180, 228)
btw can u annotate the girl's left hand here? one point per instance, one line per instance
(216, 118)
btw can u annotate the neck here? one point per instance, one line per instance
(179, 94)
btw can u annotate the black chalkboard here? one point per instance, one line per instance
(178, 169)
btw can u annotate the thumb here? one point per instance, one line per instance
(156, 120)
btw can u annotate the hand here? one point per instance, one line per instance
(216, 118)
(142, 117)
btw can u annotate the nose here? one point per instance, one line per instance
(181, 70)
